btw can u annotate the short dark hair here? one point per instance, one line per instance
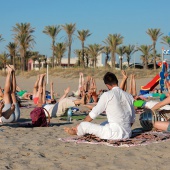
(110, 79)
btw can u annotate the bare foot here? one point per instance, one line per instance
(133, 76)
(81, 74)
(9, 68)
(12, 67)
(42, 75)
(70, 131)
(8, 112)
(124, 74)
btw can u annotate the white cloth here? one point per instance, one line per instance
(152, 103)
(120, 112)
(63, 105)
(49, 108)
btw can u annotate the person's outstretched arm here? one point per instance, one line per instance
(161, 104)
(66, 91)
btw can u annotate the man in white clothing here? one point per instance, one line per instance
(119, 109)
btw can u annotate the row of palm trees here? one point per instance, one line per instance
(113, 44)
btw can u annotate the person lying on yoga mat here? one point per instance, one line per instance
(23, 94)
(60, 107)
(119, 109)
(5, 114)
(11, 107)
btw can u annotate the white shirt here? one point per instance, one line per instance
(119, 109)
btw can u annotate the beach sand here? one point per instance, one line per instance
(39, 148)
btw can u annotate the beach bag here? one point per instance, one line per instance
(38, 117)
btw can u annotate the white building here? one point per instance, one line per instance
(36, 65)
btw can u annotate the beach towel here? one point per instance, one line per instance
(137, 139)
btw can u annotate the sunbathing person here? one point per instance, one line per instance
(119, 109)
(11, 106)
(23, 94)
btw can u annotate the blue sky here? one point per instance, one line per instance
(130, 18)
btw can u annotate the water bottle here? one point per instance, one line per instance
(69, 114)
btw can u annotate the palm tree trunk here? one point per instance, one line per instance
(59, 60)
(113, 60)
(69, 52)
(146, 63)
(25, 64)
(53, 43)
(154, 55)
(13, 61)
(83, 64)
(121, 63)
(106, 60)
(22, 63)
(128, 61)
(87, 61)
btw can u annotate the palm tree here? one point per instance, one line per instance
(69, 29)
(113, 40)
(60, 49)
(154, 34)
(130, 49)
(106, 50)
(82, 35)
(121, 51)
(78, 54)
(12, 48)
(93, 51)
(24, 39)
(86, 57)
(151, 57)
(3, 59)
(145, 49)
(52, 31)
(166, 40)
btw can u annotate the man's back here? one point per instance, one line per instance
(119, 106)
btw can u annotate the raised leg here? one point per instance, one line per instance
(123, 84)
(8, 84)
(134, 93)
(35, 89)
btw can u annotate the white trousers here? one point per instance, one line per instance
(102, 131)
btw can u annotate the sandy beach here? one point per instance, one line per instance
(39, 148)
